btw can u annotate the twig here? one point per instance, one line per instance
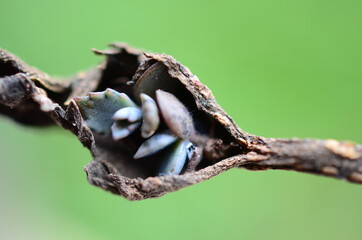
(342, 160)
(32, 97)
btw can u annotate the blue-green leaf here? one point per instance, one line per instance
(155, 144)
(174, 158)
(98, 108)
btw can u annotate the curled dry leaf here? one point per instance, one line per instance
(218, 144)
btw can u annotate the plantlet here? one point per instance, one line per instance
(115, 115)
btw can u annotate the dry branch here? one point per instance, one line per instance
(31, 97)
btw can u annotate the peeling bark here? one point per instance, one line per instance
(31, 97)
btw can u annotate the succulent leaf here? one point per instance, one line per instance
(175, 114)
(151, 119)
(98, 108)
(174, 159)
(155, 144)
(121, 129)
(130, 114)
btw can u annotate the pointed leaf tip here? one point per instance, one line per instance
(155, 144)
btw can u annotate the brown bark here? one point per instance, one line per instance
(31, 97)
(341, 160)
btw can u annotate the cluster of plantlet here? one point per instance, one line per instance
(164, 123)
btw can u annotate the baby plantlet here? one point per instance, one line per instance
(122, 117)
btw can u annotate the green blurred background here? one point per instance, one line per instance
(284, 68)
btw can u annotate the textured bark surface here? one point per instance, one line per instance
(31, 97)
